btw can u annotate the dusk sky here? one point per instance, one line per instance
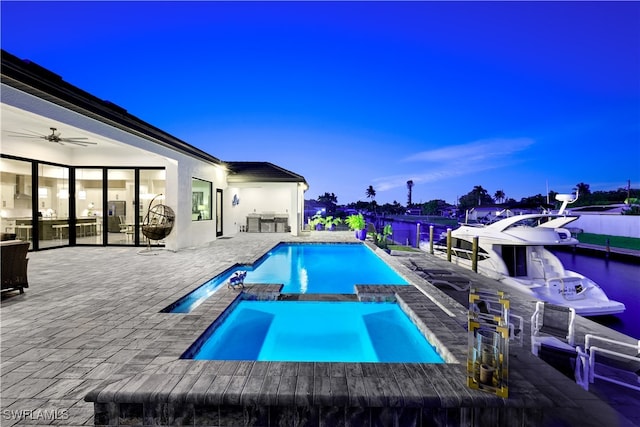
(507, 95)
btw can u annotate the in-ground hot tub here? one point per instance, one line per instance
(312, 331)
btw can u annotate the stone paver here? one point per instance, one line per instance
(91, 320)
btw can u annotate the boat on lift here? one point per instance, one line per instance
(513, 250)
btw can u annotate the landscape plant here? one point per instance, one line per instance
(381, 238)
(316, 221)
(329, 222)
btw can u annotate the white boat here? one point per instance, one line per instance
(513, 251)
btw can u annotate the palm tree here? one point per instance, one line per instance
(499, 196)
(409, 187)
(481, 194)
(371, 193)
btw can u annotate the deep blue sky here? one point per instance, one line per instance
(507, 95)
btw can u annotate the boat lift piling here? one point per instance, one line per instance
(448, 244)
(431, 239)
(474, 254)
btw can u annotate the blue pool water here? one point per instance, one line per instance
(308, 331)
(311, 268)
(323, 268)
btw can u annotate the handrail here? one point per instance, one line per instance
(590, 337)
(593, 350)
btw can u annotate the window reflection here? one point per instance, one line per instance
(200, 200)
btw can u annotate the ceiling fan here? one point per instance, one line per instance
(54, 137)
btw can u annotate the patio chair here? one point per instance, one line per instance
(14, 264)
(552, 325)
(237, 280)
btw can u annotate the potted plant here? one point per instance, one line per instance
(357, 223)
(329, 222)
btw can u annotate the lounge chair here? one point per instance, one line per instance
(439, 277)
(237, 280)
(552, 325)
(14, 264)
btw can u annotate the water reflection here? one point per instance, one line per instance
(621, 282)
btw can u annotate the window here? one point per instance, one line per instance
(200, 199)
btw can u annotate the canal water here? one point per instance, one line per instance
(620, 281)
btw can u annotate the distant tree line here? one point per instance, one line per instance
(479, 196)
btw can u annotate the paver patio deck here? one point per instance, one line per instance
(90, 323)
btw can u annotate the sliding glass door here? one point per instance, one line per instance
(122, 218)
(53, 206)
(89, 210)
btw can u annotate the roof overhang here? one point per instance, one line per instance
(32, 79)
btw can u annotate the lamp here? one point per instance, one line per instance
(203, 211)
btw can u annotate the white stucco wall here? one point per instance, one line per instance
(613, 225)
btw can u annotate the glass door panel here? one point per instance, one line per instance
(89, 209)
(53, 206)
(16, 208)
(121, 215)
(218, 212)
(151, 193)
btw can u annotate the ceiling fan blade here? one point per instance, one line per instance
(70, 139)
(30, 135)
(80, 143)
(32, 132)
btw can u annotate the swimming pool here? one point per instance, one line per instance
(312, 331)
(324, 268)
(308, 268)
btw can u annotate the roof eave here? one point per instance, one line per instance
(42, 83)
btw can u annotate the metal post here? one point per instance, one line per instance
(608, 249)
(417, 235)
(474, 254)
(449, 244)
(431, 239)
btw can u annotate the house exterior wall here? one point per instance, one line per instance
(128, 149)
